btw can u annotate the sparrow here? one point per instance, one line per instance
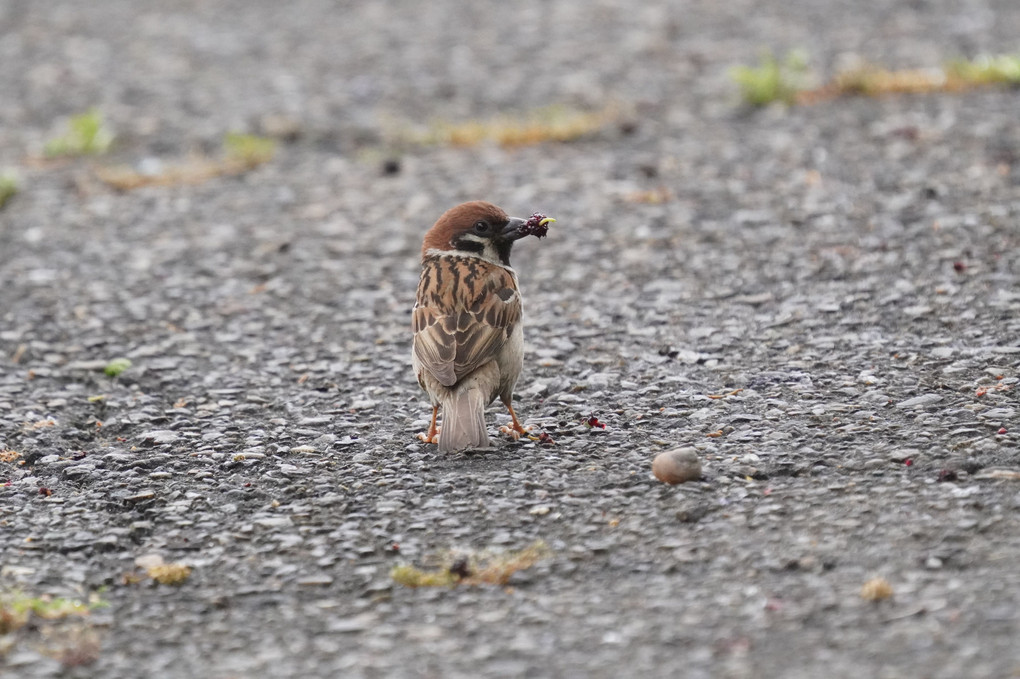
(468, 345)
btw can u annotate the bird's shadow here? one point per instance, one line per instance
(497, 457)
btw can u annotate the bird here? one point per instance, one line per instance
(468, 343)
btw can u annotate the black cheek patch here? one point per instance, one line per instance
(503, 250)
(468, 245)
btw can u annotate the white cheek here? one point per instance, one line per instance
(490, 252)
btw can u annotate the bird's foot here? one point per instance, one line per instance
(430, 436)
(514, 430)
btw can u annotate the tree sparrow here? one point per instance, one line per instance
(468, 342)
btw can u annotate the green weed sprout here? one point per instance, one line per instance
(87, 135)
(117, 366)
(986, 70)
(471, 569)
(17, 607)
(241, 153)
(772, 80)
(248, 149)
(8, 187)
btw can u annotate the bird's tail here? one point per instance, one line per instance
(463, 420)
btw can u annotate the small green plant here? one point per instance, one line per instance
(541, 125)
(241, 153)
(412, 576)
(117, 366)
(471, 569)
(61, 620)
(86, 134)
(772, 80)
(169, 573)
(986, 70)
(961, 75)
(8, 187)
(248, 149)
(16, 608)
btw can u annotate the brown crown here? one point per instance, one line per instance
(459, 219)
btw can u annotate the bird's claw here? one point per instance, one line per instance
(514, 432)
(429, 437)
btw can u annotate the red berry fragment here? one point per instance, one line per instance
(545, 439)
(959, 267)
(947, 475)
(537, 225)
(1002, 430)
(593, 422)
(909, 461)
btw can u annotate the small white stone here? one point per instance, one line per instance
(147, 561)
(677, 466)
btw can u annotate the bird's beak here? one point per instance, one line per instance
(519, 228)
(512, 231)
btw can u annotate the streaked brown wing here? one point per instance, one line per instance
(465, 311)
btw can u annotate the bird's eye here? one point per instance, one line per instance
(482, 227)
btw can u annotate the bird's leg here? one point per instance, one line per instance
(515, 429)
(432, 435)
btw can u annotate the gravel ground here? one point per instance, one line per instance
(827, 308)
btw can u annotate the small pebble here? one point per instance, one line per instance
(677, 466)
(876, 589)
(150, 560)
(280, 126)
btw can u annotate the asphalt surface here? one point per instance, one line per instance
(825, 304)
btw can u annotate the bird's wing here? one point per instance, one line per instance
(465, 311)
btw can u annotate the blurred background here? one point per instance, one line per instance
(786, 234)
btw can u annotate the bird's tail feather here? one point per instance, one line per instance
(463, 420)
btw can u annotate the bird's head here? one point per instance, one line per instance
(477, 229)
